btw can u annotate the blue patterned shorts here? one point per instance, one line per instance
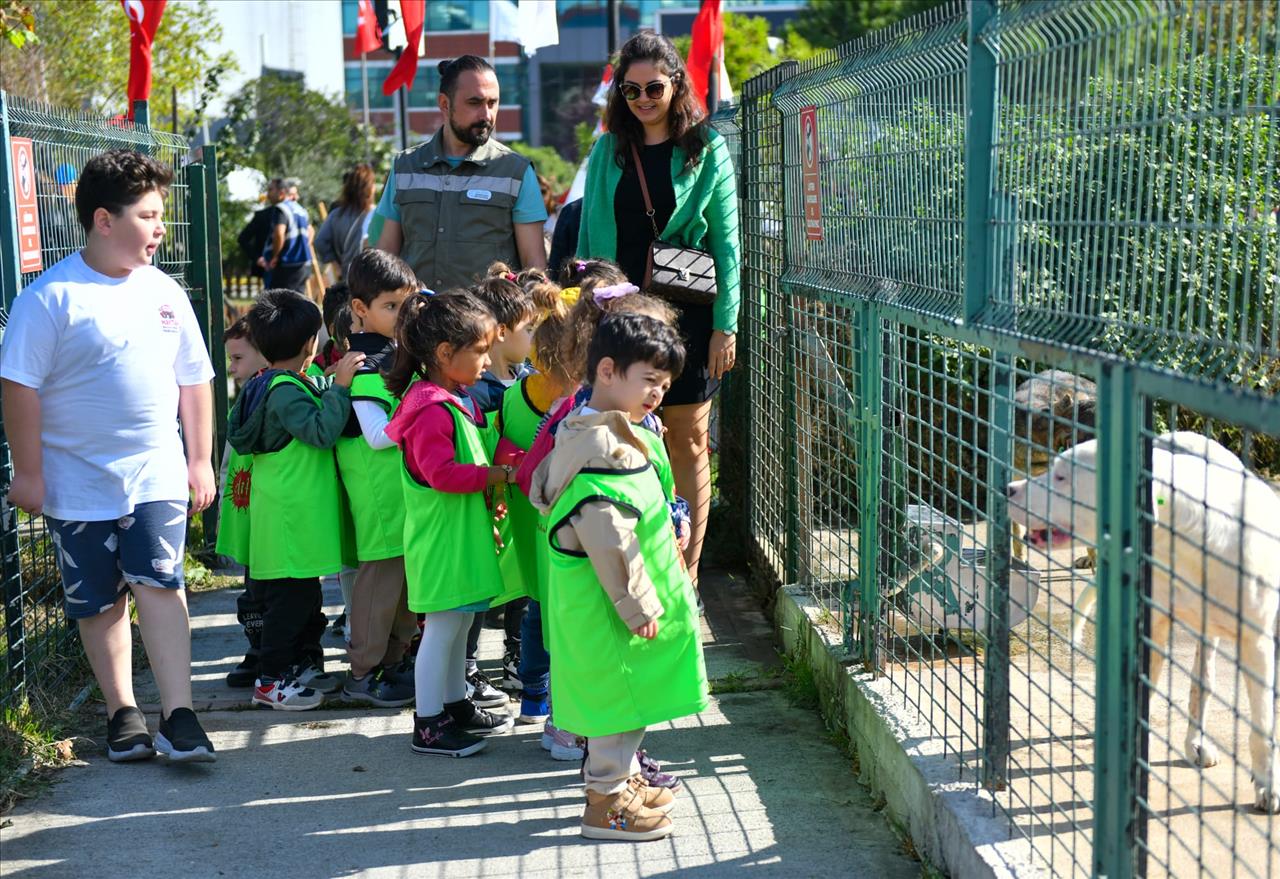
(100, 560)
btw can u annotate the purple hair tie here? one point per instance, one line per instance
(602, 295)
(580, 266)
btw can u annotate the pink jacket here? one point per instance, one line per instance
(543, 443)
(424, 433)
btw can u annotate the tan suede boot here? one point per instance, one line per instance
(657, 798)
(623, 816)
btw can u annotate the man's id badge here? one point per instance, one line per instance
(479, 194)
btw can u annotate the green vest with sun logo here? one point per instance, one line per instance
(233, 509)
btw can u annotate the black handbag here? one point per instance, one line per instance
(679, 274)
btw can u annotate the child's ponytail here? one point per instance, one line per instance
(425, 322)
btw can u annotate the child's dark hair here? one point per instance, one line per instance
(374, 272)
(238, 330)
(504, 297)
(342, 325)
(586, 314)
(281, 322)
(335, 296)
(577, 271)
(457, 319)
(538, 284)
(116, 179)
(636, 338)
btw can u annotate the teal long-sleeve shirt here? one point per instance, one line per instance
(706, 215)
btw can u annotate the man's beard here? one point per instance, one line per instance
(476, 135)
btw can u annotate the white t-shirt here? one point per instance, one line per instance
(107, 356)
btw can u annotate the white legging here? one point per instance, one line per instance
(440, 671)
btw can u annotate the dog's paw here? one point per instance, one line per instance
(1202, 752)
(1268, 799)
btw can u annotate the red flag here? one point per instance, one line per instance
(368, 39)
(708, 44)
(144, 18)
(413, 12)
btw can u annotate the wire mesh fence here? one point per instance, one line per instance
(1009, 325)
(36, 633)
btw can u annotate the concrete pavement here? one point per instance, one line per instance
(337, 792)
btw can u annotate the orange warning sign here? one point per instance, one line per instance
(28, 212)
(809, 173)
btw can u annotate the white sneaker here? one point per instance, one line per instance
(319, 680)
(285, 694)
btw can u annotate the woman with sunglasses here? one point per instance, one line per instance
(694, 195)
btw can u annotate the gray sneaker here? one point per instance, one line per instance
(378, 688)
(315, 677)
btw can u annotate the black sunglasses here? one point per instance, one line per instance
(652, 90)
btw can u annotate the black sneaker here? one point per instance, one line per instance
(481, 691)
(182, 739)
(244, 674)
(127, 736)
(379, 688)
(403, 671)
(441, 735)
(475, 719)
(511, 671)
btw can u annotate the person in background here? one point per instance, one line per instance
(256, 234)
(287, 254)
(342, 235)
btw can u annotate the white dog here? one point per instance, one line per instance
(1215, 561)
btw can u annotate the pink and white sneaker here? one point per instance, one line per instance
(562, 744)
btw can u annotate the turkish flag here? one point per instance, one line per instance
(144, 19)
(414, 13)
(707, 44)
(368, 38)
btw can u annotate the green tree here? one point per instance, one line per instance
(548, 162)
(81, 57)
(828, 23)
(17, 23)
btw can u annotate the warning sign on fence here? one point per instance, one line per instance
(24, 197)
(809, 173)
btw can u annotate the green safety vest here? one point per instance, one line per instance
(659, 458)
(233, 508)
(371, 478)
(449, 556)
(518, 421)
(301, 526)
(315, 370)
(604, 679)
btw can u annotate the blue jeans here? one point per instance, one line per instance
(535, 662)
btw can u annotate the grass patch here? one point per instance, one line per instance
(799, 684)
(36, 739)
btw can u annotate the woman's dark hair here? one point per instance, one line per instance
(684, 117)
(374, 272)
(456, 318)
(357, 189)
(635, 338)
(281, 322)
(116, 179)
(451, 68)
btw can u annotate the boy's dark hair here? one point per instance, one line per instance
(451, 68)
(116, 179)
(281, 322)
(636, 338)
(238, 330)
(373, 272)
(335, 296)
(505, 299)
(457, 318)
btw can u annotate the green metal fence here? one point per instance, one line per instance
(985, 237)
(36, 635)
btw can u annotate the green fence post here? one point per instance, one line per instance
(1118, 583)
(141, 114)
(198, 281)
(869, 383)
(211, 252)
(10, 558)
(978, 139)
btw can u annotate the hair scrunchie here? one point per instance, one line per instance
(601, 295)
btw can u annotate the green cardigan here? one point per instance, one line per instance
(706, 215)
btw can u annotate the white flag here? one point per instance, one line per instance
(504, 21)
(538, 26)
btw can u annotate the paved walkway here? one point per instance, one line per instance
(337, 792)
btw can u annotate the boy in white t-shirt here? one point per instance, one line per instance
(101, 360)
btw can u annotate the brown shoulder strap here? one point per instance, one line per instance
(644, 190)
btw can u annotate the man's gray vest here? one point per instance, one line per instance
(457, 221)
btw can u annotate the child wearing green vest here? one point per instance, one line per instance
(380, 625)
(290, 423)
(244, 361)
(451, 498)
(621, 611)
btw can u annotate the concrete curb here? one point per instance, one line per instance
(954, 824)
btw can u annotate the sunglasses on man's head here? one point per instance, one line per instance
(652, 90)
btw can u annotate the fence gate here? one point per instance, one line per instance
(1011, 324)
(42, 150)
